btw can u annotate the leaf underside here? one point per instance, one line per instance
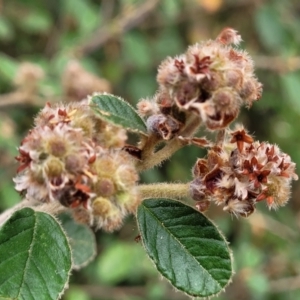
(35, 257)
(119, 112)
(185, 246)
(82, 241)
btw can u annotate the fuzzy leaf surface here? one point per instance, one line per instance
(82, 241)
(185, 246)
(119, 112)
(35, 257)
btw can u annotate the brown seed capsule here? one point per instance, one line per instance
(163, 125)
(197, 190)
(200, 168)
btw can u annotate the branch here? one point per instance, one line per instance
(164, 190)
(152, 159)
(118, 26)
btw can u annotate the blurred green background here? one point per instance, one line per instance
(65, 49)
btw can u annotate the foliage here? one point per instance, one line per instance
(50, 36)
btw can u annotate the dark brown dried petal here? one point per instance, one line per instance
(200, 168)
(133, 151)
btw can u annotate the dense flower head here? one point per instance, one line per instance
(211, 79)
(72, 157)
(241, 173)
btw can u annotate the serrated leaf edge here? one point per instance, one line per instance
(105, 113)
(60, 294)
(226, 243)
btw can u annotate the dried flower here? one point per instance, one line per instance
(212, 79)
(74, 158)
(242, 173)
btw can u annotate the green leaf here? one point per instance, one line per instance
(35, 257)
(185, 246)
(81, 239)
(117, 111)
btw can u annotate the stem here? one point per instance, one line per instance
(149, 145)
(118, 26)
(164, 190)
(159, 156)
(192, 126)
(7, 213)
(50, 208)
(151, 159)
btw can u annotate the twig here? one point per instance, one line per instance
(164, 190)
(153, 159)
(53, 208)
(118, 26)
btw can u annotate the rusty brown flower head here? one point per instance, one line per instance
(242, 173)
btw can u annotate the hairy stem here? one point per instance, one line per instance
(52, 208)
(164, 190)
(7, 213)
(151, 158)
(156, 158)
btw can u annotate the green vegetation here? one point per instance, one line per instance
(63, 50)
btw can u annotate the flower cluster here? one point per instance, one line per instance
(241, 173)
(212, 80)
(75, 158)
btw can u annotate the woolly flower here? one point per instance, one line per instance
(74, 158)
(250, 172)
(211, 79)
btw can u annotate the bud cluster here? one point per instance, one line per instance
(212, 80)
(241, 173)
(75, 158)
